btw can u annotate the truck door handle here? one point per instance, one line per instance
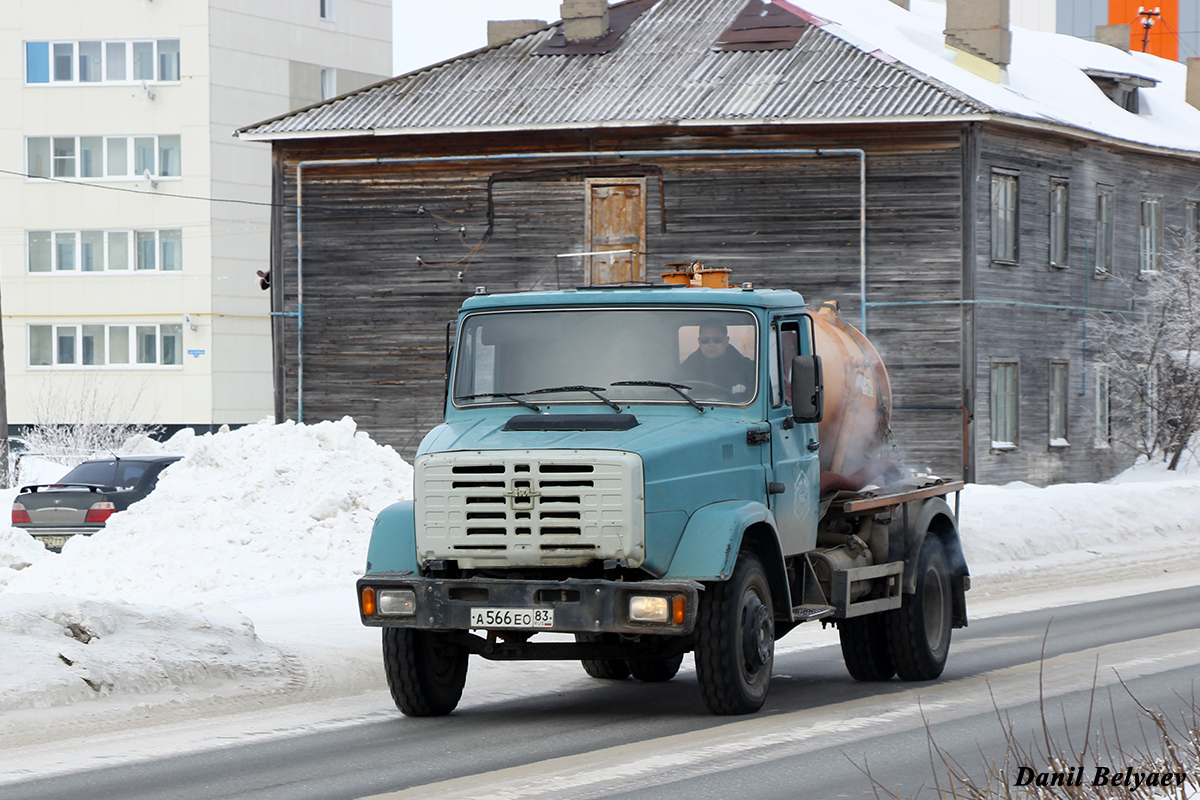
(813, 445)
(774, 487)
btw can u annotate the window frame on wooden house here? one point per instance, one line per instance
(1060, 223)
(1191, 224)
(1102, 407)
(1147, 402)
(1005, 397)
(1105, 229)
(1006, 217)
(1150, 234)
(1059, 403)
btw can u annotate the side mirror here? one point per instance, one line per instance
(808, 390)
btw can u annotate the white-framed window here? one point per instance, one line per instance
(122, 345)
(112, 251)
(99, 62)
(1004, 405)
(325, 8)
(1058, 404)
(328, 83)
(1150, 235)
(1005, 210)
(103, 157)
(1105, 226)
(1102, 424)
(1060, 225)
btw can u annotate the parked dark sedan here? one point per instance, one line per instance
(81, 501)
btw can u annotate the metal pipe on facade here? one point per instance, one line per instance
(486, 158)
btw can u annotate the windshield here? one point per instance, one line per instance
(123, 474)
(709, 354)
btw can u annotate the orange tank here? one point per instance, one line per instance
(858, 403)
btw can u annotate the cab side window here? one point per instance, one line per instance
(789, 347)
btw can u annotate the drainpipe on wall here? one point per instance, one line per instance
(978, 34)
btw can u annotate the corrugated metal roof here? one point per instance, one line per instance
(664, 70)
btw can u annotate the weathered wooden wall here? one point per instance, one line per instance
(1011, 322)
(386, 264)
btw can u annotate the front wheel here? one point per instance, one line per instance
(919, 631)
(735, 640)
(426, 672)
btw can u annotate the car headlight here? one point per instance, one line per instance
(649, 608)
(396, 602)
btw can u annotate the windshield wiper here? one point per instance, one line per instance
(596, 390)
(677, 387)
(506, 395)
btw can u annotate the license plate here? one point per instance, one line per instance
(52, 542)
(512, 617)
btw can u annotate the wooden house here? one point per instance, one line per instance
(971, 196)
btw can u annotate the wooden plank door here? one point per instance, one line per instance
(615, 211)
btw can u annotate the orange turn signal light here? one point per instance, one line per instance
(368, 602)
(678, 605)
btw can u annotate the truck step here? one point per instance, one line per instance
(804, 613)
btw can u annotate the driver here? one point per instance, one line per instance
(714, 361)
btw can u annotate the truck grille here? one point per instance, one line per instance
(530, 508)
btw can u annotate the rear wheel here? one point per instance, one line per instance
(735, 640)
(609, 669)
(865, 648)
(919, 631)
(655, 670)
(425, 671)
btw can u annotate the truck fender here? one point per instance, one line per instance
(393, 545)
(712, 538)
(934, 517)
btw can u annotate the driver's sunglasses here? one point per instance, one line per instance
(712, 339)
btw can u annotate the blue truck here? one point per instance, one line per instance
(607, 487)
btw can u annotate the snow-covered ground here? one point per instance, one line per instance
(230, 589)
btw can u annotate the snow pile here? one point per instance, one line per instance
(1006, 528)
(72, 650)
(248, 518)
(261, 511)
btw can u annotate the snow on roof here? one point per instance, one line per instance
(1046, 76)
(872, 61)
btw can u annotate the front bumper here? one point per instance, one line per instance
(580, 606)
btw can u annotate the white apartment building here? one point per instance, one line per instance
(128, 283)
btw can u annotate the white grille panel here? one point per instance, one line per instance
(530, 507)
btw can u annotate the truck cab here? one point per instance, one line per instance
(640, 468)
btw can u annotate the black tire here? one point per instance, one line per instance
(605, 669)
(655, 670)
(425, 671)
(919, 631)
(865, 648)
(735, 640)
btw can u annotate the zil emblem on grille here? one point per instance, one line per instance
(521, 495)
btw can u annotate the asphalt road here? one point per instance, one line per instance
(818, 736)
